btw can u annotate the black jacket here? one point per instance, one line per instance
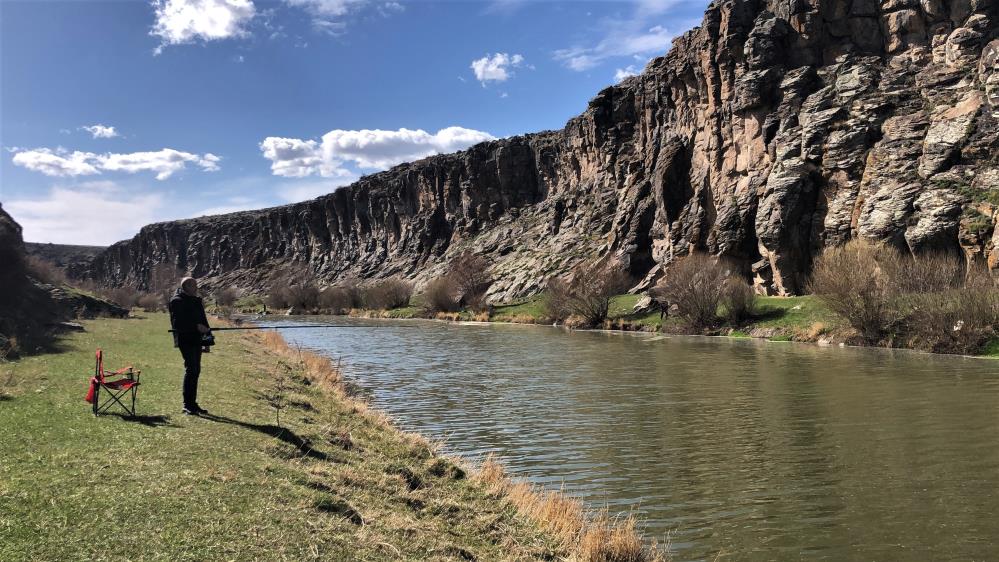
(186, 312)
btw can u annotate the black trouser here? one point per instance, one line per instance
(192, 370)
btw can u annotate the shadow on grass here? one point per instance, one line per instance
(149, 421)
(5, 398)
(764, 313)
(280, 433)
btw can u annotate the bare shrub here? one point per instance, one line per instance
(956, 320)
(470, 275)
(859, 282)
(336, 300)
(696, 285)
(125, 297)
(738, 300)
(151, 302)
(276, 298)
(226, 296)
(586, 293)
(45, 271)
(304, 296)
(353, 291)
(388, 294)
(225, 301)
(924, 273)
(557, 299)
(441, 295)
(165, 279)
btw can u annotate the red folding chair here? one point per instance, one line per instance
(117, 384)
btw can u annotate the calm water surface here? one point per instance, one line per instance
(766, 451)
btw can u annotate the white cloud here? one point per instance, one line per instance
(636, 35)
(325, 12)
(326, 7)
(101, 131)
(186, 21)
(380, 149)
(495, 68)
(628, 71)
(294, 158)
(389, 8)
(371, 149)
(164, 162)
(98, 213)
(61, 163)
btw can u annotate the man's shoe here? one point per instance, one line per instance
(201, 411)
(191, 412)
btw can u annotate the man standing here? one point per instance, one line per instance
(189, 323)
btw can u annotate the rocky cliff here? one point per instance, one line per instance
(769, 132)
(31, 312)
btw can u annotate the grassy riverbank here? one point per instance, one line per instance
(778, 319)
(333, 481)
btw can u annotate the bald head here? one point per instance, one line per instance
(189, 285)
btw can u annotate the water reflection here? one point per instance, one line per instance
(767, 451)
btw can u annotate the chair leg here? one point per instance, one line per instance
(97, 400)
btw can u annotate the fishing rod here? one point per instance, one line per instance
(289, 327)
(208, 340)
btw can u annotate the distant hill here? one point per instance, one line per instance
(62, 254)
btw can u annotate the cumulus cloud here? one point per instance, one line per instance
(164, 163)
(495, 68)
(83, 214)
(294, 158)
(61, 163)
(371, 149)
(101, 131)
(628, 71)
(187, 21)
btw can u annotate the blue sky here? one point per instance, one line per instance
(115, 114)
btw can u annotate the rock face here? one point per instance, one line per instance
(769, 132)
(62, 255)
(31, 311)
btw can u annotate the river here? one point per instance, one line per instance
(759, 450)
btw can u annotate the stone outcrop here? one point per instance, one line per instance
(30, 311)
(769, 132)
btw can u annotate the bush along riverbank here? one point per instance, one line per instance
(289, 465)
(862, 294)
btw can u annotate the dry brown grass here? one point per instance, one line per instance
(523, 319)
(585, 538)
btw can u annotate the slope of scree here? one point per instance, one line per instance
(769, 132)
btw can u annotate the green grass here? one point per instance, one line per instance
(533, 307)
(169, 487)
(793, 313)
(991, 349)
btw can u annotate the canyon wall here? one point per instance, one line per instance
(769, 132)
